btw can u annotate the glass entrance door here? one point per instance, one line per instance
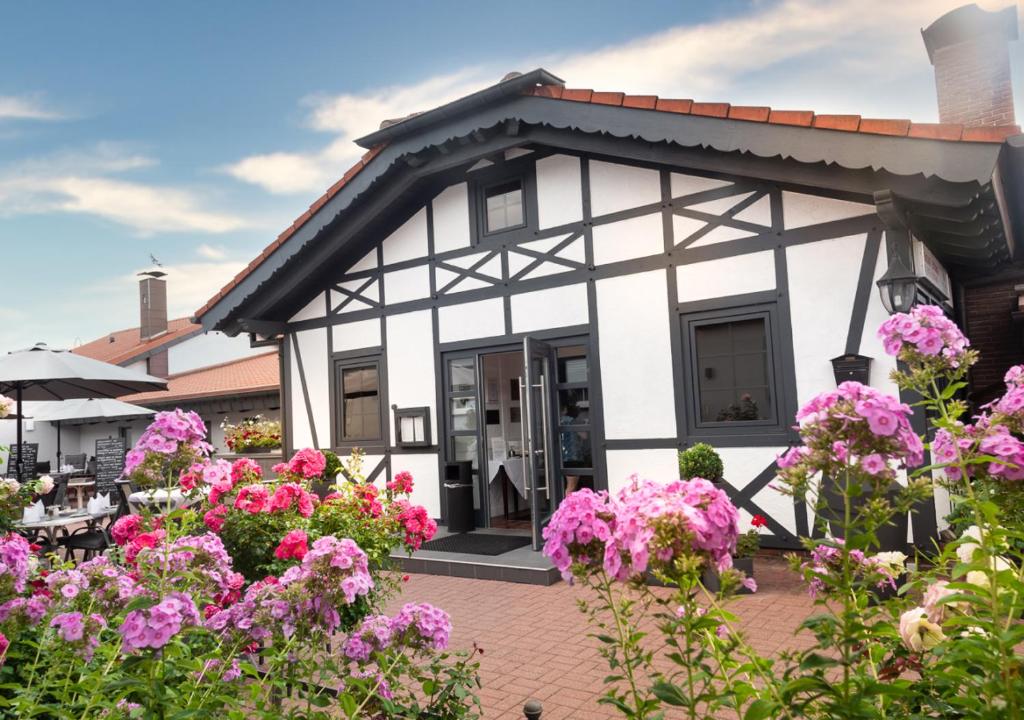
(538, 432)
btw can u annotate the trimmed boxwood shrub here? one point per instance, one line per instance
(701, 460)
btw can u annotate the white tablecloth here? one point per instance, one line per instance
(514, 470)
(156, 499)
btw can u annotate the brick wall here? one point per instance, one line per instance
(973, 83)
(987, 310)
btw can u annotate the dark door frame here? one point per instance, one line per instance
(513, 343)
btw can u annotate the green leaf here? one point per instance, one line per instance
(669, 693)
(759, 710)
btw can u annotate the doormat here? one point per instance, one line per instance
(477, 543)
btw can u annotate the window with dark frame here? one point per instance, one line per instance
(503, 206)
(732, 378)
(357, 385)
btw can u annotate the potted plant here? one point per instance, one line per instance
(254, 434)
(700, 460)
(747, 545)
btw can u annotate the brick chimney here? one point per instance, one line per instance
(969, 49)
(152, 304)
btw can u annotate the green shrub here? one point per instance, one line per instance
(701, 460)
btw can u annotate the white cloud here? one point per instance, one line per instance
(22, 108)
(877, 40)
(81, 182)
(210, 252)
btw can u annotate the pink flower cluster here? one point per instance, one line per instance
(200, 558)
(290, 494)
(80, 631)
(646, 526)
(306, 464)
(134, 533)
(14, 565)
(416, 626)
(169, 432)
(98, 582)
(854, 425)
(153, 627)
(22, 611)
(224, 479)
(924, 331)
(825, 563)
(293, 545)
(994, 435)
(419, 527)
(401, 483)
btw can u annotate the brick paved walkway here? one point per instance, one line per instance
(535, 639)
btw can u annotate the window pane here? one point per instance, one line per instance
(503, 206)
(572, 365)
(573, 407)
(463, 374)
(360, 403)
(575, 447)
(732, 371)
(463, 413)
(464, 448)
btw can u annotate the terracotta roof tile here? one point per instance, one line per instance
(676, 106)
(749, 112)
(720, 110)
(578, 95)
(124, 345)
(884, 126)
(644, 102)
(936, 131)
(607, 98)
(847, 123)
(259, 373)
(803, 118)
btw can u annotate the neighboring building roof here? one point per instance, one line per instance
(123, 346)
(541, 84)
(251, 375)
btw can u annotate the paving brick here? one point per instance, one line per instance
(537, 645)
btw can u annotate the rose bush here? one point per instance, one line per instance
(166, 624)
(940, 639)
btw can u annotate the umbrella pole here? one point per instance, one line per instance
(19, 465)
(58, 446)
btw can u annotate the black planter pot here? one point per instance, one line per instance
(892, 536)
(713, 584)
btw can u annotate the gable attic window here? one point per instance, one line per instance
(503, 206)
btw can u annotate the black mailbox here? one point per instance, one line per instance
(852, 367)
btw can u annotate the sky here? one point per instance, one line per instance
(196, 131)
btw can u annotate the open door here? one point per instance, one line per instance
(538, 433)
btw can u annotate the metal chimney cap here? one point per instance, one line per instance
(153, 273)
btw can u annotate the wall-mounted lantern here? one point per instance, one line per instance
(898, 287)
(412, 426)
(852, 367)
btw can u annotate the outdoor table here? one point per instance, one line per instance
(50, 525)
(80, 485)
(157, 499)
(510, 472)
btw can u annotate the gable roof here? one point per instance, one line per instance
(900, 147)
(123, 346)
(248, 376)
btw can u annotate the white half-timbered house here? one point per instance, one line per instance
(565, 287)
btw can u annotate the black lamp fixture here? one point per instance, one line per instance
(898, 287)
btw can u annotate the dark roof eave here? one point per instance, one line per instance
(952, 162)
(511, 87)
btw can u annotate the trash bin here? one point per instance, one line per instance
(458, 490)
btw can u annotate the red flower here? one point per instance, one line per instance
(293, 545)
(759, 521)
(402, 483)
(214, 519)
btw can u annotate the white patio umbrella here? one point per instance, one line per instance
(87, 409)
(40, 373)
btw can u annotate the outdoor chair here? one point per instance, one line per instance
(76, 461)
(43, 468)
(94, 542)
(58, 494)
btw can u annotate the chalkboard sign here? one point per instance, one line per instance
(109, 464)
(29, 455)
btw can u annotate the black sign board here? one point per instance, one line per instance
(109, 464)
(29, 455)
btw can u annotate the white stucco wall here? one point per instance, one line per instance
(660, 464)
(411, 377)
(552, 308)
(636, 356)
(559, 191)
(451, 219)
(615, 187)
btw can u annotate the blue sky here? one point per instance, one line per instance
(196, 131)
